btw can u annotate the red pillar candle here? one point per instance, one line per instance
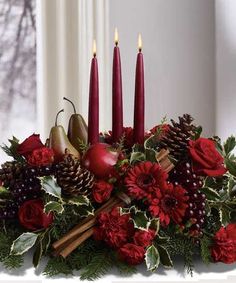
(117, 101)
(139, 102)
(93, 112)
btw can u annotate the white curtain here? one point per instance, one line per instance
(66, 29)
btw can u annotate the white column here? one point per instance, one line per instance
(66, 29)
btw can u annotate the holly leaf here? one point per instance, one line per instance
(155, 225)
(231, 166)
(151, 155)
(23, 243)
(51, 187)
(38, 254)
(224, 215)
(229, 145)
(54, 206)
(137, 156)
(140, 220)
(210, 193)
(79, 200)
(152, 258)
(164, 257)
(197, 133)
(84, 210)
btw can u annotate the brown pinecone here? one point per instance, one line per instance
(73, 178)
(178, 136)
(10, 171)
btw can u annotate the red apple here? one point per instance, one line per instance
(100, 159)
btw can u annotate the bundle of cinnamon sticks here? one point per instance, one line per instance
(81, 232)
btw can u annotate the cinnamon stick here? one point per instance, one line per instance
(84, 224)
(72, 246)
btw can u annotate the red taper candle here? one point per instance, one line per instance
(117, 100)
(139, 102)
(93, 111)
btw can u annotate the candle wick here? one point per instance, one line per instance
(116, 43)
(140, 50)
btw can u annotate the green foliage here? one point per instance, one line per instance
(183, 246)
(99, 265)
(82, 146)
(56, 266)
(229, 145)
(205, 249)
(51, 187)
(152, 258)
(12, 149)
(9, 261)
(23, 243)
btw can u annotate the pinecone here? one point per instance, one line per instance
(178, 136)
(73, 178)
(183, 174)
(10, 171)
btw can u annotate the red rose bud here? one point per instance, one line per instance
(144, 238)
(132, 254)
(114, 229)
(102, 191)
(41, 157)
(224, 248)
(32, 216)
(30, 144)
(207, 161)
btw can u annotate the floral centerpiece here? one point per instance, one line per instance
(119, 204)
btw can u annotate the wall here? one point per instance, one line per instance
(179, 51)
(226, 67)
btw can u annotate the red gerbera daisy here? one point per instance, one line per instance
(144, 178)
(169, 203)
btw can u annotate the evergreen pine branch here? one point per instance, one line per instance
(13, 261)
(12, 149)
(205, 249)
(56, 266)
(99, 265)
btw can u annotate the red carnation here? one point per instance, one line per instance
(41, 157)
(102, 191)
(169, 203)
(144, 178)
(32, 216)
(30, 144)
(206, 159)
(132, 254)
(224, 248)
(144, 238)
(114, 229)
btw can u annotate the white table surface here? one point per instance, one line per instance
(215, 273)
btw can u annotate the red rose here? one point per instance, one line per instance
(132, 254)
(224, 248)
(144, 238)
(28, 145)
(102, 191)
(32, 216)
(114, 229)
(206, 159)
(41, 157)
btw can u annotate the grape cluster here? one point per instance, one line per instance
(23, 184)
(183, 175)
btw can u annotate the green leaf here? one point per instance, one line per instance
(38, 253)
(140, 220)
(198, 133)
(229, 145)
(137, 157)
(51, 187)
(224, 216)
(151, 155)
(232, 187)
(155, 224)
(164, 257)
(210, 193)
(4, 193)
(231, 166)
(12, 149)
(23, 243)
(54, 206)
(152, 258)
(84, 210)
(79, 200)
(161, 240)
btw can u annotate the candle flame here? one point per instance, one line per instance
(94, 48)
(116, 37)
(140, 42)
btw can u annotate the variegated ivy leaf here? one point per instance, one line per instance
(152, 258)
(23, 243)
(51, 187)
(54, 206)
